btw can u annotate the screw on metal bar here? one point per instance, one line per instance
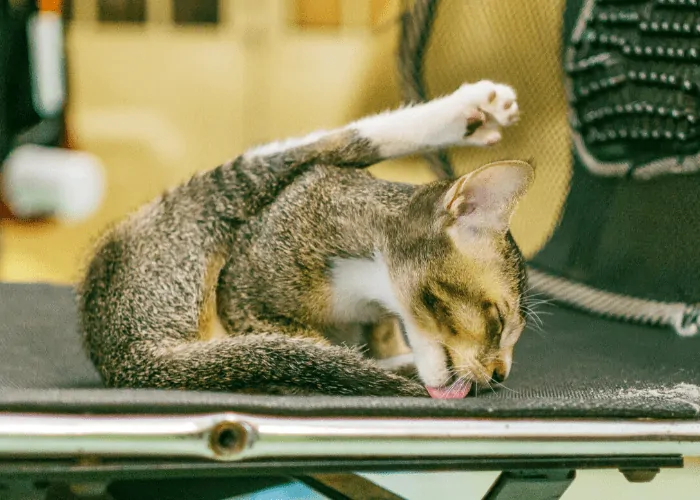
(229, 438)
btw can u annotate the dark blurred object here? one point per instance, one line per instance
(32, 84)
(26, 114)
(16, 109)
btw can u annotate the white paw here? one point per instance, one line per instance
(396, 362)
(501, 103)
(486, 106)
(487, 135)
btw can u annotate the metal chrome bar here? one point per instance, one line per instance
(232, 436)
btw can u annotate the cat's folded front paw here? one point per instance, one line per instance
(412, 389)
(397, 385)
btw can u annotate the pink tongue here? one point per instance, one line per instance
(458, 390)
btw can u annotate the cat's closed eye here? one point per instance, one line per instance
(494, 321)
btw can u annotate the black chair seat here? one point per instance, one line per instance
(579, 367)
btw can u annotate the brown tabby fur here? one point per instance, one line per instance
(224, 282)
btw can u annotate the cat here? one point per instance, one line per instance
(235, 280)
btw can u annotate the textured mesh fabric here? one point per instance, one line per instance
(633, 82)
(577, 367)
(518, 43)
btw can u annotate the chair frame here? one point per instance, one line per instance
(538, 459)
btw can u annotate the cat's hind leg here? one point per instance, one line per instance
(276, 359)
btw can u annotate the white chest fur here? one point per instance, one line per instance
(362, 289)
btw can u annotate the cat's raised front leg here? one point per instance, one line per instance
(471, 116)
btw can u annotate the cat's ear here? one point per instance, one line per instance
(487, 197)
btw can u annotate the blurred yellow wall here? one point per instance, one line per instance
(157, 102)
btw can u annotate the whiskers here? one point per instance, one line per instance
(471, 370)
(531, 305)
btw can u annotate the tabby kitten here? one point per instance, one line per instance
(251, 277)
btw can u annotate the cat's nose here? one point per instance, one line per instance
(498, 376)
